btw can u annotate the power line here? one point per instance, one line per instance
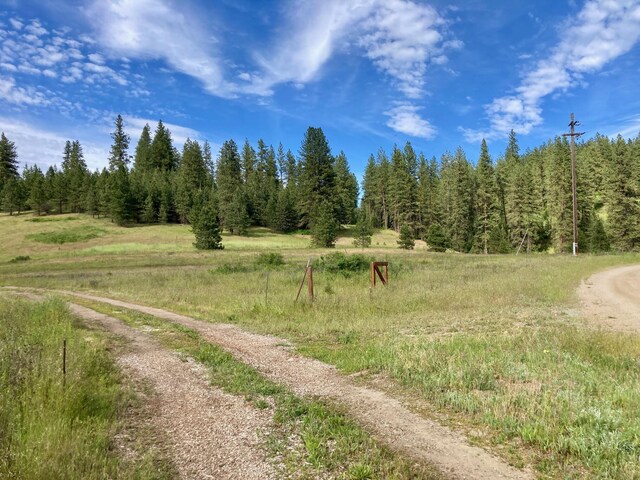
(573, 124)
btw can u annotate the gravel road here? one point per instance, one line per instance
(386, 417)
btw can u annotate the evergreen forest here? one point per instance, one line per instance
(487, 204)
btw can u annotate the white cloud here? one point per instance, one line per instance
(20, 96)
(400, 37)
(44, 148)
(179, 134)
(601, 32)
(15, 23)
(405, 119)
(37, 53)
(160, 29)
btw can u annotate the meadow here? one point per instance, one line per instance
(493, 345)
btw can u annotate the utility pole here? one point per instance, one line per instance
(573, 124)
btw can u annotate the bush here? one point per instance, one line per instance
(271, 259)
(20, 258)
(345, 265)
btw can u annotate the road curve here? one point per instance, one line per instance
(612, 298)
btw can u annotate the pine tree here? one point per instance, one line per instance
(142, 160)
(229, 181)
(346, 190)
(120, 208)
(37, 195)
(597, 239)
(363, 231)
(436, 238)
(460, 193)
(286, 215)
(163, 154)
(8, 160)
(428, 193)
(406, 240)
(324, 226)
(317, 188)
(624, 209)
(237, 217)
(558, 165)
(403, 187)
(192, 179)
(75, 171)
(208, 160)
(487, 216)
(207, 230)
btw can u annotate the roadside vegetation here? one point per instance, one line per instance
(64, 427)
(493, 345)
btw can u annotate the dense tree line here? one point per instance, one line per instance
(522, 200)
(158, 184)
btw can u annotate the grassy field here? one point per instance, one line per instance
(492, 345)
(58, 428)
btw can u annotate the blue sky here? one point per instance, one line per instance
(371, 73)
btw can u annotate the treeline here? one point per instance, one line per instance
(158, 184)
(519, 201)
(522, 200)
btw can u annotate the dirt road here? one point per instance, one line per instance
(612, 298)
(386, 417)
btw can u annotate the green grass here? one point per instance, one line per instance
(492, 344)
(54, 429)
(71, 235)
(312, 438)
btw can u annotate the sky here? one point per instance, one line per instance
(371, 73)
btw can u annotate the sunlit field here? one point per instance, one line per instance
(493, 345)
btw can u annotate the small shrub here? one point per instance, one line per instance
(271, 259)
(345, 265)
(20, 258)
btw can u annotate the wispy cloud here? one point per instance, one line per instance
(401, 38)
(601, 32)
(161, 29)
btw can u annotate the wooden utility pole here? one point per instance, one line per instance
(573, 124)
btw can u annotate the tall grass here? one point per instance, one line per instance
(50, 428)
